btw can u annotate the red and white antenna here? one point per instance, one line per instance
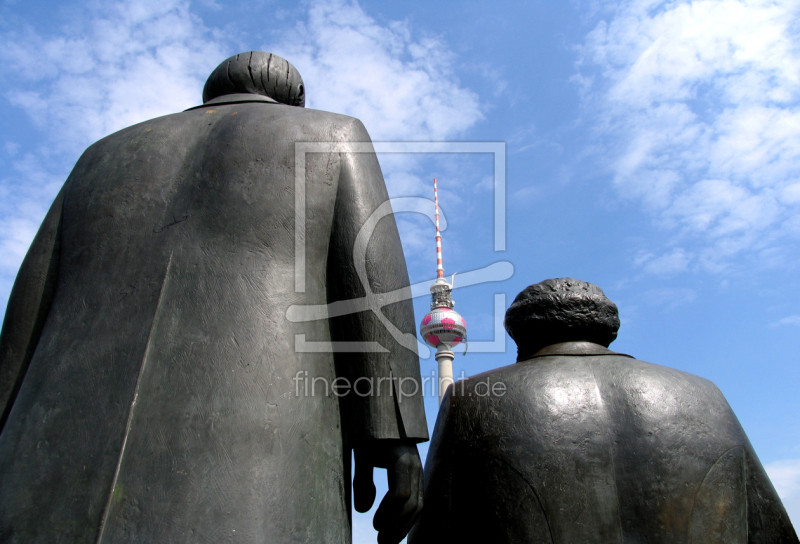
(439, 265)
(442, 327)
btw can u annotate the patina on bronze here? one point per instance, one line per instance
(582, 444)
(147, 367)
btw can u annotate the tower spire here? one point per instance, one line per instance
(439, 264)
(442, 327)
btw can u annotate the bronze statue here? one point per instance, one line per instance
(577, 443)
(148, 373)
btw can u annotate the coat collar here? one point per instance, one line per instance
(235, 98)
(577, 349)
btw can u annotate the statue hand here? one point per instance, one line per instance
(402, 504)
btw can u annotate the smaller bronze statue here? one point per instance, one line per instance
(577, 443)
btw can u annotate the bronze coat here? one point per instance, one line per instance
(146, 359)
(584, 445)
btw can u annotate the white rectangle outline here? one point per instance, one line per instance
(497, 149)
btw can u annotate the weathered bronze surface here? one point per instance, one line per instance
(581, 444)
(148, 371)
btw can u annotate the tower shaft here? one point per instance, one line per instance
(444, 356)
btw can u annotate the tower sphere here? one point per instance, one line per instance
(443, 326)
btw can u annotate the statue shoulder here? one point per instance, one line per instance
(661, 376)
(156, 132)
(562, 383)
(350, 127)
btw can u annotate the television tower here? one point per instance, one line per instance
(442, 327)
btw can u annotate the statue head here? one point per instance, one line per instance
(257, 72)
(560, 310)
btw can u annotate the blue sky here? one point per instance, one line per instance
(652, 148)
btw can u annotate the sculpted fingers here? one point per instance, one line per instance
(402, 505)
(363, 484)
(413, 507)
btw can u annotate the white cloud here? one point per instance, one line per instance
(129, 62)
(526, 194)
(700, 104)
(670, 263)
(789, 320)
(400, 86)
(134, 60)
(22, 208)
(124, 63)
(791, 194)
(785, 476)
(670, 298)
(416, 234)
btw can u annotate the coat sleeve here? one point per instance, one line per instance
(376, 348)
(28, 307)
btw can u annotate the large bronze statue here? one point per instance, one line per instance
(150, 387)
(578, 444)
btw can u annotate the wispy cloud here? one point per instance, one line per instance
(670, 298)
(670, 263)
(789, 320)
(129, 61)
(24, 197)
(123, 63)
(700, 104)
(401, 86)
(785, 476)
